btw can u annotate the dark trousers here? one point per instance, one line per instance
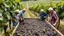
(5, 28)
(42, 18)
(22, 21)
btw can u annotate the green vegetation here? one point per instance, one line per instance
(58, 7)
(7, 8)
(28, 0)
(31, 15)
(62, 25)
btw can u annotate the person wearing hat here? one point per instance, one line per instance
(22, 14)
(43, 14)
(15, 18)
(53, 16)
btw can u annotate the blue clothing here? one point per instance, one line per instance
(42, 15)
(22, 15)
(5, 28)
(16, 18)
(14, 23)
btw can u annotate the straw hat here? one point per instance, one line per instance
(50, 8)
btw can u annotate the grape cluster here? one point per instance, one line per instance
(35, 27)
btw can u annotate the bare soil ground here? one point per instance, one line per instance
(61, 30)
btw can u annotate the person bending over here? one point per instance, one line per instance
(43, 14)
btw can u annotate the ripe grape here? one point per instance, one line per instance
(35, 27)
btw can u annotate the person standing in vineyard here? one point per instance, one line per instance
(21, 14)
(53, 16)
(15, 18)
(43, 15)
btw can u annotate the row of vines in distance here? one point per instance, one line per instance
(58, 7)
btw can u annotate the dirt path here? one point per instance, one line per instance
(29, 14)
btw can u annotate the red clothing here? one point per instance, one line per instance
(53, 17)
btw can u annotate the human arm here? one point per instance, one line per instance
(56, 17)
(46, 15)
(13, 18)
(39, 16)
(56, 21)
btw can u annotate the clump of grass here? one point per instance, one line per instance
(62, 25)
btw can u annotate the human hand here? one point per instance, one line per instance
(44, 16)
(39, 17)
(54, 24)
